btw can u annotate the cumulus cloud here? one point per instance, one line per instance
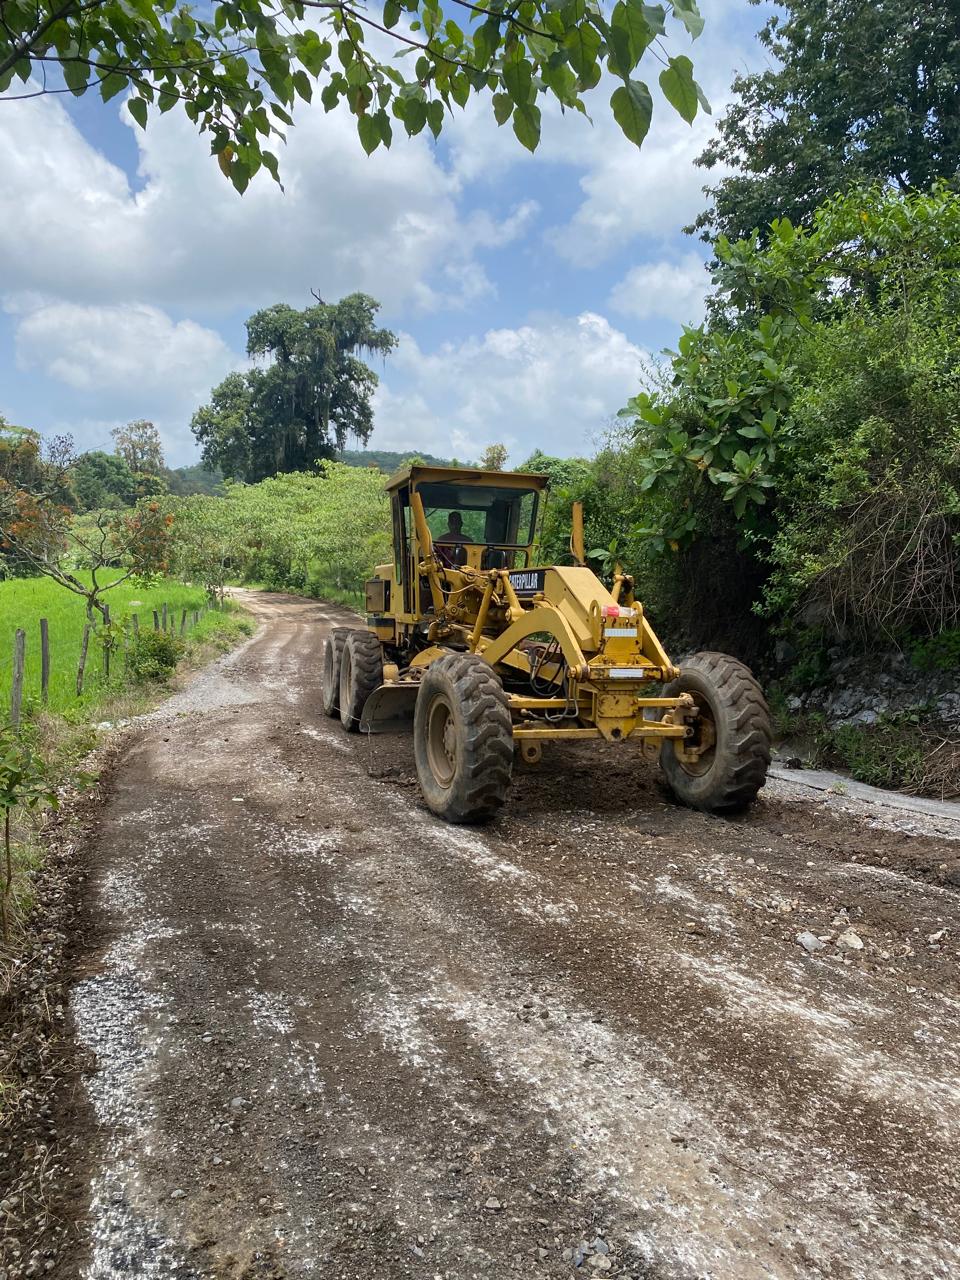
(626, 195)
(671, 290)
(72, 225)
(554, 384)
(124, 362)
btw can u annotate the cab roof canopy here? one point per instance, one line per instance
(416, 474)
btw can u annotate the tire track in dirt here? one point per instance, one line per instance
(334, 1036)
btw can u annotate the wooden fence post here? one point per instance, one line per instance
(164, 616)
(136, 627)
(16, 692)
(83, 658)
(183, 623)
(106, 643)
(156, 620)
(44, 661)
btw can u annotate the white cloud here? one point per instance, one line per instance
(123, 362)
(553, 384)
(72, 226)
(627, 194)
(671, 290)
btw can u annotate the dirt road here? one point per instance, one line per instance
(325, 1034)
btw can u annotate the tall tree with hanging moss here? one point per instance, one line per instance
(296, 410)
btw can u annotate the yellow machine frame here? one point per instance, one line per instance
(592, 646)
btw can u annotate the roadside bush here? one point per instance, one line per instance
(294, 532)
(869, 480)
(154, 656)
(812, 427)
(890, 753)
(938, 653)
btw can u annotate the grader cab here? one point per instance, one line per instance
(486, 654)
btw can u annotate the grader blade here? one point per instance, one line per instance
(389, 709)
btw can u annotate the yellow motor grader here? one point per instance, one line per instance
(488, 654)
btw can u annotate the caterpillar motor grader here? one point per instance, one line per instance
(487, 655)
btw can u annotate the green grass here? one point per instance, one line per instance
(24, 601)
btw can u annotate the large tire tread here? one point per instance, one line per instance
(742, 753)
(361, 672)
(482, 780)
(331, 654)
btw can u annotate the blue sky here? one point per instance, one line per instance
(529, 292)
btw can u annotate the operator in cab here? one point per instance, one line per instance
(452, 537)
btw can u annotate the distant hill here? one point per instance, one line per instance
(389, 462)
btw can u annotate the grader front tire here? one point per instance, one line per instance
(463, 739)
(734, 714)
(331, 654)
(361, 671)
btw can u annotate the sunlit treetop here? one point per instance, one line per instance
(237, 69)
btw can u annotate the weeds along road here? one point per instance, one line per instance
(325, 1034)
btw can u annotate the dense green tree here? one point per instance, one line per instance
(861, 91)
(139, 445)
(322, 533)
(389, 460)
(297, 410)
(103, 480)
(198, 478)
(237, 71)
(493, 458)
(35, 497)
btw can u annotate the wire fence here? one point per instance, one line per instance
(103, 656)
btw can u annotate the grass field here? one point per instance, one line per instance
(24, 601)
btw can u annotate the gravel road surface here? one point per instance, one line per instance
(320, 1033)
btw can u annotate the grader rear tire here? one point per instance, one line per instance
(733, 711)
(361, 671)
(330, 656)
(463, 739)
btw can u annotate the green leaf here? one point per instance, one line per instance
(486, 41)
(312, 51)
(632, 109)
(240, 176)
(111, 85)
(391, 14)
(414, 115)
(679, 88)
(630, 35)
(526, 125)
(502, 108)
(460, 89)
(386, 129)
(369, 131)
(582, 45)
(138, 109)
(655, 18)
(435, 117)
(76, 75)
(518, 75)
(689, 15)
